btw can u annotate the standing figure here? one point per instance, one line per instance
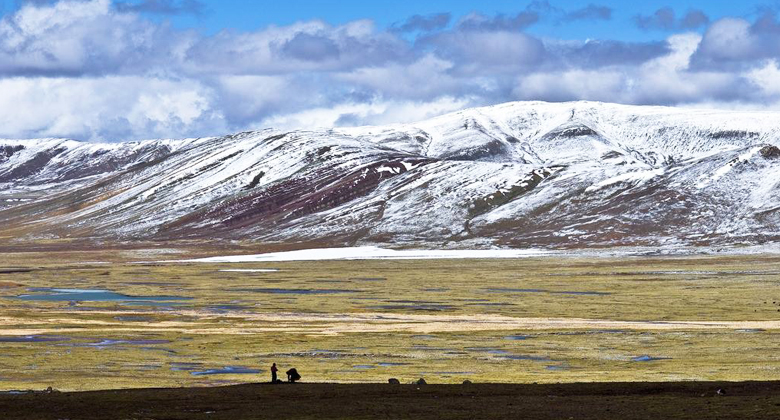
(273, 373)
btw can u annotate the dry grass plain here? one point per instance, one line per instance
(544, 320)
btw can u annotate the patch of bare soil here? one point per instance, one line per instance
(685, 400)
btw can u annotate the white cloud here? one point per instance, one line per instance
(767, 78)
(89, 70)
(729, 39)
(115, 107)
(376, 113)
(426, 77)
(573, 85)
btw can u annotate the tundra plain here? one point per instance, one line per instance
(117, 318)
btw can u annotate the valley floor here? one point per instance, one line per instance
(682, 400)
(98, 320)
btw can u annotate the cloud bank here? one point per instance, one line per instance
(97, 70)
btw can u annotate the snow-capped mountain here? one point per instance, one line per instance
(523, 174)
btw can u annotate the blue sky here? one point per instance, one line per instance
(110, 70)
(249, 15)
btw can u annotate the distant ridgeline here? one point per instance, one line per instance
(525, 174)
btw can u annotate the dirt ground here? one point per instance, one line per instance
(684, 400)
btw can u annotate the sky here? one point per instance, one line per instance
(118, 70)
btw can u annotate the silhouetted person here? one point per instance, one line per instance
(292, 375)
(273, 373)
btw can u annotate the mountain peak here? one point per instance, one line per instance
(519, 174)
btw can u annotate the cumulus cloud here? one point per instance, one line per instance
(501, 22)
(665, 19)
(589, 12)
(97, 70)
(595, 53)
(112, 108)
(163, 7)
(423, 23)
(81, 38)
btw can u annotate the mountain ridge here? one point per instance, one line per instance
(521, 174)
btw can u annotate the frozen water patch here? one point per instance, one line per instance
(373, 253)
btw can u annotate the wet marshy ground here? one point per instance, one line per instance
(75, 325)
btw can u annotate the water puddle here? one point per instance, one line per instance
(133, 318)
(646, 358)
(488, 350)
(527, 357)
(15, 270)
(32, 339)
(276, 291)
(553, 292)
(415, 302)
(517, 337)
(229, 370)
(97, 295)
(152, 283)
(228, 308)
(250, 270)
(113, 343)
(364, 367)
(185, 367)
(567, 292)
(392, 364)
(423, 307)
(507, 290)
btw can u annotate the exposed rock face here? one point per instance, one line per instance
(514, 175)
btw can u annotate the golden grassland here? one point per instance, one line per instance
(555, 319)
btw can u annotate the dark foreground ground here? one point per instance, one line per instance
(746, 400)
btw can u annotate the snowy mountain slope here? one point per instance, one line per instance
(518, 174)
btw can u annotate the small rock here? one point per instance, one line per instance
(467, 382)
(720, 391)
(394, 381)
(421, 381)
(770, 152)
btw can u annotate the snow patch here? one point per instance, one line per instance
(636, 177)
(705, 180)
(373, 253)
